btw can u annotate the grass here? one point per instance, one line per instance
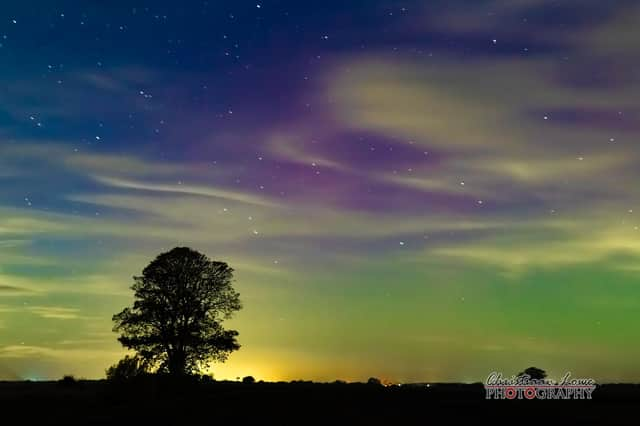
(164, 401)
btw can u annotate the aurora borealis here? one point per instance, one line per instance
(413, 190)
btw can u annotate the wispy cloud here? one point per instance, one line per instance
(11, 290)
(54, 312)
(186, 189)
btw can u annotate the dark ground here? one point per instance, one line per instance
(214, 403)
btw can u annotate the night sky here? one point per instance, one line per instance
(413, 190)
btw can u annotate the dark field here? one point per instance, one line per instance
(213, 403)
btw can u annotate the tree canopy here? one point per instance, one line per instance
(128, 368)
(176, 322)
(534, 373)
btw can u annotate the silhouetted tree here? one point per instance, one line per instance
(68, 380)
(129, 367)
(181, 301)
(534, 373)
(207, 378)
(248, 379)
(374, 381)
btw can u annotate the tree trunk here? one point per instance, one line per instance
(178, 363)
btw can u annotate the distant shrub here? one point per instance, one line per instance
(68, 380)
(374, 381)
(207, 378)
(339, 382)
(129, 367)
(248, 379)
(534, 373)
